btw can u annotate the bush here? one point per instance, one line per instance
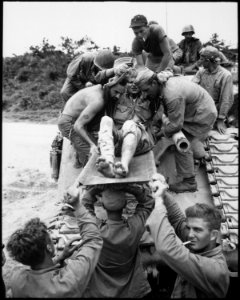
(42, 94)
(25, 102)
(53, 75)
(54, 99)
(23, 75)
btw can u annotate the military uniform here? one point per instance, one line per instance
(191, 49)
(220, 86)
(137, 110)
(152, 46)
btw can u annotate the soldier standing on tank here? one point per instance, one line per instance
(153, 40)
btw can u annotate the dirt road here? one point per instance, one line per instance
(27, 187)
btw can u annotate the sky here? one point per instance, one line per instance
(107, 23)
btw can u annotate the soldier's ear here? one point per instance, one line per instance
(214, 234)
(49, 248)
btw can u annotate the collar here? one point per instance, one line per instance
(215, 71)
(42, 271)
(212, 252)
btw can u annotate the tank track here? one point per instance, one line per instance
(222, 173)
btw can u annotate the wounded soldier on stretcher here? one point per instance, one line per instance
(126, 131)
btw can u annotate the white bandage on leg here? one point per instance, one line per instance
(105, 139)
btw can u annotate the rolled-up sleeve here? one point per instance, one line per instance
(175, 110)
(226, 97)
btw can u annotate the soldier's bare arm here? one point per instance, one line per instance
(88, 113)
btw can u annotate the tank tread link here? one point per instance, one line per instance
(222, 173)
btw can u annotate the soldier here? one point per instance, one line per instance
(176, 51)
(80, 119)
(218, 82)
(119, 272)
(87, 69)
(201, 267)
(153, 40)
(191, 47)
(126, 131)
(47, 277)
(188, 107)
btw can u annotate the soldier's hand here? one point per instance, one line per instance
(158, 185)
(93, 149)
(72, 196)
(164, 119)
(68, 249)
(121, 69)
(164, 75)
(89, 84)
(221, 126)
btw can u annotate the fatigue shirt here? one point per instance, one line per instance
(119, 272)
(82, 69)
(127, 107)
(68, 281)
(191, 49)
(176, 51)
(152, 43)
(188, 106)
(220, 86)
(203, 275)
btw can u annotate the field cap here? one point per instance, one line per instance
(138, 21)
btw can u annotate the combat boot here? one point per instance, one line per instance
(187, 185)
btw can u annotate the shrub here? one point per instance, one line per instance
(25, 102)
(23, 74)
(53, 75)
(55, 100)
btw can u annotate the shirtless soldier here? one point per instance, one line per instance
(80, 118)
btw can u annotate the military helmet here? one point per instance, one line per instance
(188, 28)
(210, 53)
(104, 59)
(124, 60)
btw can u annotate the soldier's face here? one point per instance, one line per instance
(199, 234)
(149, 91)
(116, 91)
(141, 32)
(133, 88)
(205, 62)
(188, 35)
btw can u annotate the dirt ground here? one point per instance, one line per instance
(27, 187)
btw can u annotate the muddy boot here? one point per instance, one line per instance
(187, 185)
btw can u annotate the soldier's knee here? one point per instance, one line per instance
(129, 127)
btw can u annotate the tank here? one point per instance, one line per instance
(217, 181)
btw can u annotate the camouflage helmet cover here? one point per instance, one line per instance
(210, 53)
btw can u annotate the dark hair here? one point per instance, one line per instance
(210, 214)
(28, 245)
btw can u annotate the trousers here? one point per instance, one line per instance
(185, 161)
(65, 125)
